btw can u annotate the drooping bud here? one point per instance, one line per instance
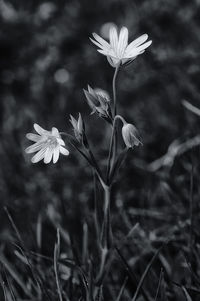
(99, 101)
(130, 135)
(78, 127)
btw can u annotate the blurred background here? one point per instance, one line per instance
(46, 59)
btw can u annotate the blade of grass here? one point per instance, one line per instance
(10, 288)
(187, 296)
(122, 289)
(85, 243)
(24, 250)
(56, 258)
(11, 270)
(146, 272)
(130, 273)
(3, 287)
(159, 284)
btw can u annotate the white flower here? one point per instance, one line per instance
(99, 101)
(118, 51)
(130, 135)
(48, 145)
(102, 94)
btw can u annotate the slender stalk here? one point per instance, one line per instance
(106, 231)
(56, 257)
(111, 155)
(114, 89)
(91, 160)
(115, 109)
(96, 207)
(191, 236)
(110, 151)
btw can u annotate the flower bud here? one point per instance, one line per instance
(99, 101)
(78, 127)
(130, 135)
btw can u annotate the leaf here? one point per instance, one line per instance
(117, 164)
(187, 296)
(146, 271)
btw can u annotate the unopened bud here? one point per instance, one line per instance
(78, 127)
(98, 100)
(130, 135)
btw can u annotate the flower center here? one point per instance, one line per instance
(52, 141)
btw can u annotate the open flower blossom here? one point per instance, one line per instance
(118, 51)
(48, 145)
(130, 135)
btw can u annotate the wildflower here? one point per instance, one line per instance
(102, 94)
(130, 135)
(48, 145)
(118, 51)
(78, 127)
(99, 101)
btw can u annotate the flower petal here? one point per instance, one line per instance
(101, 41)
(39, 156)
(113, 37)
(33, 137)
(39, 129)
(144, 46)
(35, 147)
(97, 44)
(104, 52)
(61, 141)
(56, 153)
(123, 41)
(64, 151)
(55, 132)
(48, 155)
(137, 42)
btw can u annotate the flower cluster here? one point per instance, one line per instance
(48, 144)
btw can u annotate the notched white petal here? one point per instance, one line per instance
(113, 37)
(137, 42)
(48, 156)
(39, 129)
(101, 41)
(55, 132)
(123, 41)
(33, 137)
(56, 154)
(61, 141)
(34, 147)
(39, 156)
(64, 151)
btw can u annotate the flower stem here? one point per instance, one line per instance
(106, 229)
(115, 110)
(111, 153)
(114, 89)
(106, 235)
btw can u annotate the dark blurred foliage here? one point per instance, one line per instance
(46, 59)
